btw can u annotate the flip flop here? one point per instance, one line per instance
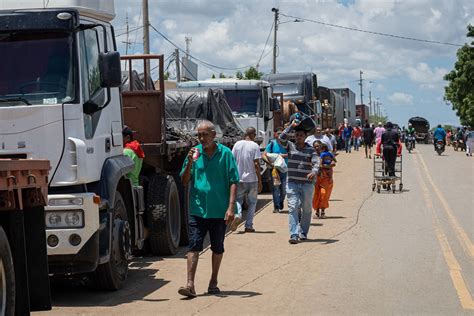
(213, 290)
(187, 291)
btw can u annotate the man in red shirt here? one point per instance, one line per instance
(356, 135)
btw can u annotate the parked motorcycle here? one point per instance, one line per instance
(410, 143)
(439, 146)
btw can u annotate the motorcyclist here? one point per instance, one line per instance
(410, 133)
(439, 134)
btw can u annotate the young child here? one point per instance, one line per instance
(324, 183)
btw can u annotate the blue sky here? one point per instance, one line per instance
(406, 76)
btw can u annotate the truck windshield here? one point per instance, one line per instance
(287, 88)
(36, 68)
(244, 101)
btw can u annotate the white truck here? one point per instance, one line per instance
(60, 100)
(252, 104)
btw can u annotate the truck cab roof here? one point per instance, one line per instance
(102, 10)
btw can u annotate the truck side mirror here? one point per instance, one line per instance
(110, 73)
(274, 104)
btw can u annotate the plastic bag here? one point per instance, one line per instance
(278, 162)
(276, 177)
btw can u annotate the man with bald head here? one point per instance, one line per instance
(213, 177)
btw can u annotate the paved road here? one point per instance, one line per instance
(375, 254)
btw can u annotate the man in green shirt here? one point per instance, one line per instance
(132, 149)
(211, 171)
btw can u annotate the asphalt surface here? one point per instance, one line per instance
(375, 254)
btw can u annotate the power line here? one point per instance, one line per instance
(195, 58)
(132, 30)
(265, 46)
(372, 32)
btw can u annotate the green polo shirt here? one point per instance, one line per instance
(211, 178)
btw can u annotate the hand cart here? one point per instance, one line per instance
(381, 177)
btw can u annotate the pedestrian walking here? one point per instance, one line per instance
(318, 135)
(280, 147)
(391, 146)
(469, 141)
(211, 171)
(324, 183)
(379, 130)
(247, 155)
(303, 166)
(347, 134)
(356, 136)
(368, 136)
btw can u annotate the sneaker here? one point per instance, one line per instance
(235, 223)
(275, 210)
(303, 236)
(249, 230)
(293, 239)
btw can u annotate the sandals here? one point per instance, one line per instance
(323, 215)
(187, 291)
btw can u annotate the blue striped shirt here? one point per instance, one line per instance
(301, 161)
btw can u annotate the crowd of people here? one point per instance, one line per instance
(222, 179)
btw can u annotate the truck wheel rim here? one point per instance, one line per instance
(3, 289)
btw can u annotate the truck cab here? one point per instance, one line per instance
(60, 101)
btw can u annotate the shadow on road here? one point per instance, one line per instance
(257, 232)
(241, 294)
(316, 224)
(333, 217)
(322, 241)
(141, 282)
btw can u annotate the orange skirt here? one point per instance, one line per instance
(322, 192)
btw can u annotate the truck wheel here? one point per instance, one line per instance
(7, 277)
(163, 214)
(113, 274)
(184, 194)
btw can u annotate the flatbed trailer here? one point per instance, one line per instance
(24, 280)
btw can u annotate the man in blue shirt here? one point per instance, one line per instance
(439, 134)
(278, 146)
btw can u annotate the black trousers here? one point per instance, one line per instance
(390, 156)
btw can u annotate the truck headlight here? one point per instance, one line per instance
(65, 202)
(68, 219)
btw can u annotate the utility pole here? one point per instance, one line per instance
(127, 42)
(188, 45)
(178, 72)
(370, 102)
(360, 84)
(275, 29)
(146, 35)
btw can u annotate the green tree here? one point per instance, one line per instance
(460, 90)
(239, 75)
(213, 76)
(221, 75)
(252, 73)
(166, 75)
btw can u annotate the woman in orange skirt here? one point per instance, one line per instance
(324, 183)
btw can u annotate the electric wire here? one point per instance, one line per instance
(266, 42)
(372, 32)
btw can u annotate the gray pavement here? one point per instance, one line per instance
(375, 254)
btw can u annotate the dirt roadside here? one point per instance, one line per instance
(259, 270)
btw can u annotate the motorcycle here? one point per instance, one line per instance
(410, 143)
(459, 145)
(439, 146)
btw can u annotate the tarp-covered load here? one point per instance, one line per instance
(420, 124)
(186, 108)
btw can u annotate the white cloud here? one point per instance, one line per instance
(400, 98)
(427, 77)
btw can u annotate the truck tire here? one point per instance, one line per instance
(7, 277)
(184, 194)
(113, 274)
(163, 215)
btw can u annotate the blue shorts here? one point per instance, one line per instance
(198, 228)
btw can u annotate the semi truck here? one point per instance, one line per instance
(60, 100)
(252, 104)
(301, 89)
(24, 281)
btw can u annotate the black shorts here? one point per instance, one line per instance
(198, 228)
(367, 144)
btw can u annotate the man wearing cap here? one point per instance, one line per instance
(133, 150)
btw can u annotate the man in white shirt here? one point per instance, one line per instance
(247, 155)
(319, 136)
